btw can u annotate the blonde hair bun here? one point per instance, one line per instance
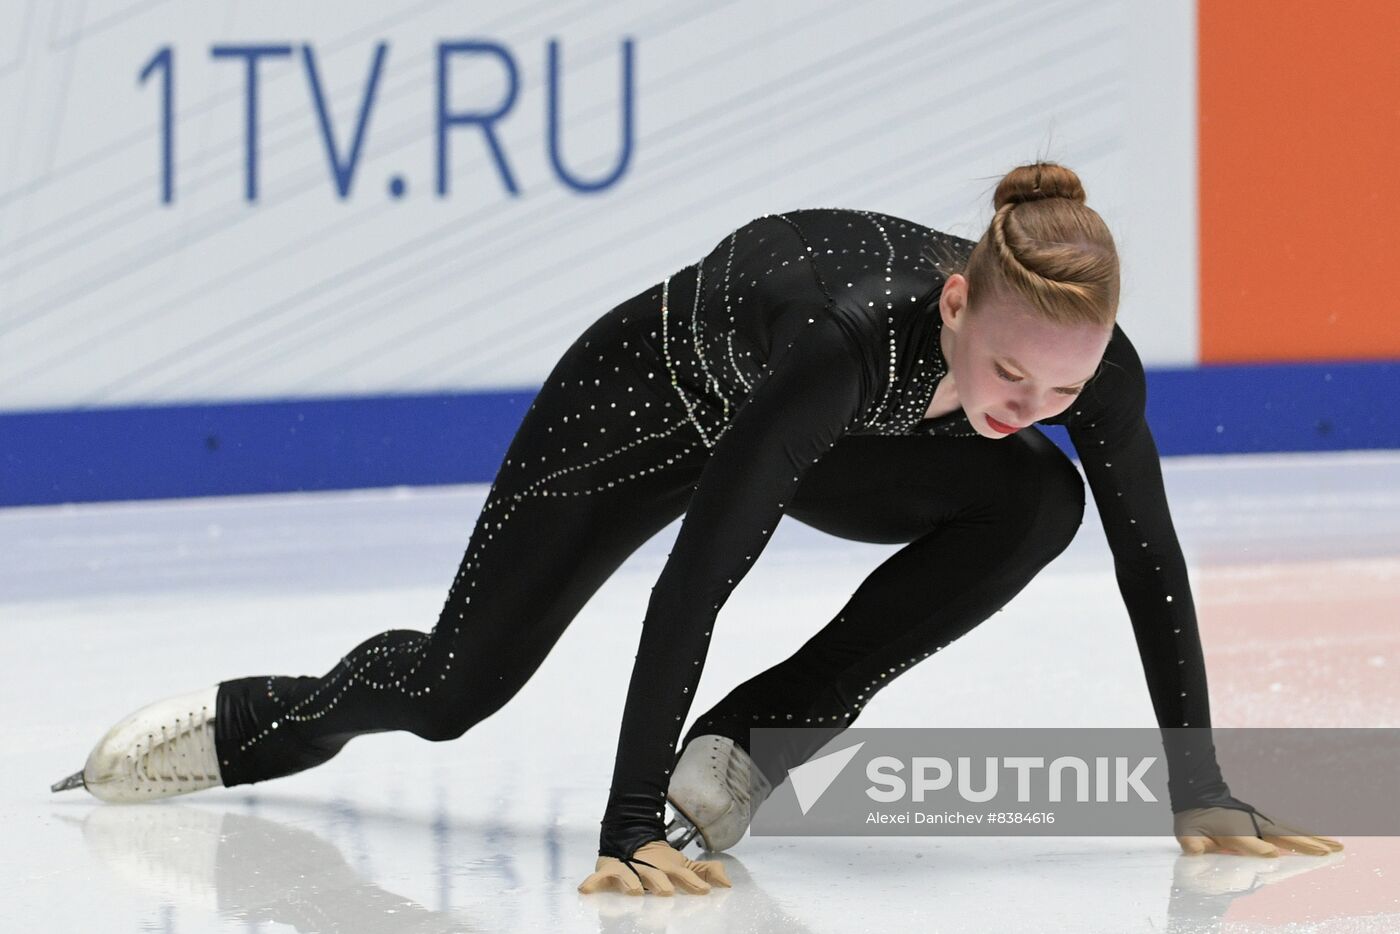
(1038, 181)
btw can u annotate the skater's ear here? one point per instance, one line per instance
(952, 302)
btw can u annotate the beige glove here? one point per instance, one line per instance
(654, 867)
(1210, 830)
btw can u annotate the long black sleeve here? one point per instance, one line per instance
(1108, 427)
(809, 396)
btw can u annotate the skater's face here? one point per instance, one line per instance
(1010, 366)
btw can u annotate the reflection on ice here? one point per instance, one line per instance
(249, 869)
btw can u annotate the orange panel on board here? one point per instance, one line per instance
(1299, 120)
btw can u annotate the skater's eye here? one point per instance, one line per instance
(1011, 378)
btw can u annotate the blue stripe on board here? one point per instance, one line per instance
(154, 452)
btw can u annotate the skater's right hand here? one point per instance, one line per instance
(655, 867)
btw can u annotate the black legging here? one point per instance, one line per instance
(575, 496)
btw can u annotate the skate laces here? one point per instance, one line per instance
(736, 777)
(740, 775)
(183, 754)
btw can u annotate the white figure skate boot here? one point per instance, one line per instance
(714, 790)
(163, 749)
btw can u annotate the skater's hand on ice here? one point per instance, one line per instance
(1212, 830)
(658, 868)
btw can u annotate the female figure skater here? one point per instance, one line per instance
(873, 378)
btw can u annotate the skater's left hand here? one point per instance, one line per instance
(1212, 830)
(655, 867)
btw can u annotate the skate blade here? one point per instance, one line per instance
(679, 833)
(73, 781)
(681, 830)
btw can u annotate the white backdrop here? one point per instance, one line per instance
(108, 296)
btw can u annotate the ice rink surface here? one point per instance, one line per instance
(1295, 561)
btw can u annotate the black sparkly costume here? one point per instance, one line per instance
(786, 373)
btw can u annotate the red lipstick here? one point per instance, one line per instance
(1001, 426)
